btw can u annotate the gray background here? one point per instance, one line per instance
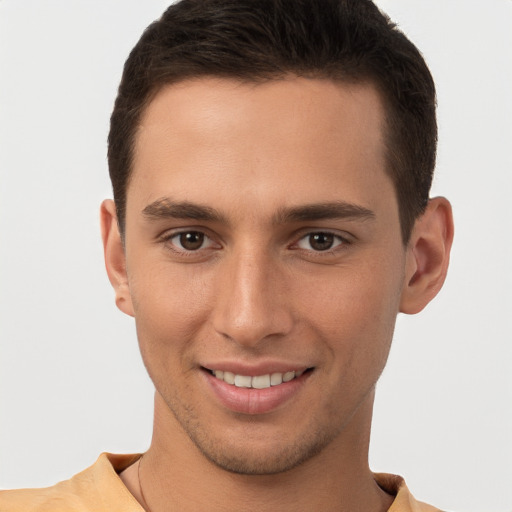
(71, 381)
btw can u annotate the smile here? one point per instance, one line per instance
(259, 393)
(257, 381)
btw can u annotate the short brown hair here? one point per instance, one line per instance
(249, 40)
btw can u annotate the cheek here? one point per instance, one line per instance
(367, 297)
(355, 312)
(165, 290)
(170, 308)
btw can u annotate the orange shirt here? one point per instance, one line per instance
(99, 489)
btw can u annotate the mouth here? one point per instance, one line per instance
(256, 393)
(257, 381)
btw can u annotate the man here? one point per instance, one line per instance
(271, 163)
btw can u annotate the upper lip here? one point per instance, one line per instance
(260, 368)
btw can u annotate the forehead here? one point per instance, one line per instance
(296, 135)
(198, 106)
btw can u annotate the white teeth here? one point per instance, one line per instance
(229, 378)
(258, 381)
(288, 376)
(276, 379)
(243, 381)
(261, 382)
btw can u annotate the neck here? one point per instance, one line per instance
(175, 475)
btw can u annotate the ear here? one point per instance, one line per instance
(428, 255)
(115, 259)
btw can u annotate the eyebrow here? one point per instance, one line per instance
(166, 208)
(322, 211)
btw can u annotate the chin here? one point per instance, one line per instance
(246, 463)
(257, 455)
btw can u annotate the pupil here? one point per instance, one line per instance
(192, 240)
(321, 241)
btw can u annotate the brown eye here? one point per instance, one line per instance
(320, 241)
(190, 240)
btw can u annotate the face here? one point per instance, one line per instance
(264, 264)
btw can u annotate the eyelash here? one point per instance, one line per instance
(339, 241)
(167, 239)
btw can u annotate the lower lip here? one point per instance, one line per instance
(255, 401)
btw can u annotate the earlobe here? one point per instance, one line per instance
(428, 255)
(115, 259)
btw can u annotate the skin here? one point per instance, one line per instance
(260, 291)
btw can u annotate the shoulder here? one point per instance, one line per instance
(404, 500)
(41, 500)
(96, 489)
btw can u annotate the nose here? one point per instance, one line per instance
(252, 304)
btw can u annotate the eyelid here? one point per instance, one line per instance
(167, 236)
(337, 241)
(344, 238)
(206, 241)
